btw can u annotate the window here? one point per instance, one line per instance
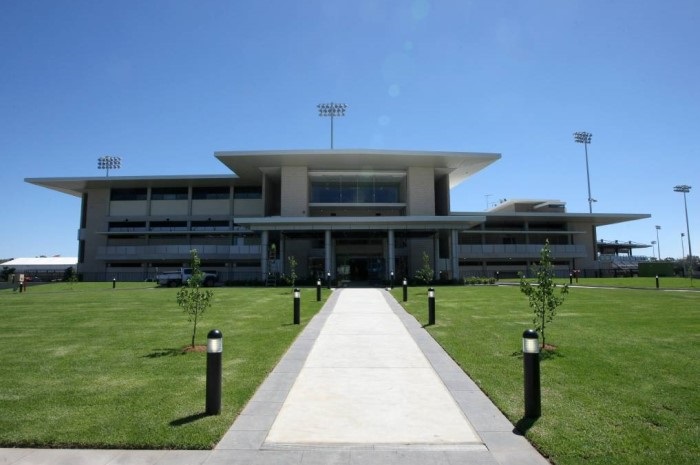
(169, 193)
(138, 193)
(354, 191)
(210, 193)
(247, 192)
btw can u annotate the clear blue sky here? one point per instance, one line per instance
(164, 84)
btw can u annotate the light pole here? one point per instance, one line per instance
(585, 139)
(685, 189)
(682, 246)
(332, 110)
(653, 248)
(658, 242)
(109, 162)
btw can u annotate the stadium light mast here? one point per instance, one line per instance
(658, 242)
(332, 110)
(585, 139)
(109, 162)
(683, 246)
(686, 189)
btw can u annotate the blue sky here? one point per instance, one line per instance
(164, 84)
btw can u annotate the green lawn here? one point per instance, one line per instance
(622, 386)
(627, 282)
(85, 365)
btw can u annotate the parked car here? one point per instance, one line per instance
(181, 276)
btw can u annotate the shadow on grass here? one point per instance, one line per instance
(188, 419)
(523, 425)
(157, 353)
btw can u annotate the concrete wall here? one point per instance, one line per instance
(295, 191)
(421, 191)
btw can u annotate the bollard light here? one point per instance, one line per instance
(531, 342)
(405, 289)
(215, 343)
(318, 290)
(657, 281)
(214, 349)
(531, 369)
(431, 306)
(114, 283)
(328, 280)
(391, 280)
(297, 306)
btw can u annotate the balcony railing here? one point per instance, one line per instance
(520, 251)
(136, 252)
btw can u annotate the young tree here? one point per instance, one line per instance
(292, 269)
(425, 273)
(193, 300)
(542, 297)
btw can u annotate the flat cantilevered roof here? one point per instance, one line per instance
(76, 186)
(250, 165)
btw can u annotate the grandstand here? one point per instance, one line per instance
(617, 259)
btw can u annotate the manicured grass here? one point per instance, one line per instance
(622, 386)
(85, 365)
(629, 282)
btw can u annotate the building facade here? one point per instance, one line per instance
(356, 216)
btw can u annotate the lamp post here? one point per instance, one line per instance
(331, 109)
(685, 189)
(653, 249)
(682, 246)
(109, 162)
(585, 139)
(658, 242)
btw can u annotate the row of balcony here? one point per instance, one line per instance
(519, 251)
(254, 251)
(182, 251)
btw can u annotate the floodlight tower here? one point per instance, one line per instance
(585, 139)
(686, 189)
(332, 110)
(658, 242)
(109, 162)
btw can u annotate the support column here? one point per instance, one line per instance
(436, 254)
(264, 237)
(391, 256)
(328, 264)
(454, 254)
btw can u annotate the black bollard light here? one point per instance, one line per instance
(531, 368)
(657, 281)
(318, 290)
(498, 275)
(214, 349)
(431, 306)
(405, 290)
(114, 283)
(571, 278)
(297, 305)
(328, 280)
(391, 280)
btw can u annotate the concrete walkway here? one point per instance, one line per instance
(364, 383)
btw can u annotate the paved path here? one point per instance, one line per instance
(364, 383)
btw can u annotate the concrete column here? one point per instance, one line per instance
(436, 254)
(263, 254)
(391, 256)
(328, 244)
(454, 253)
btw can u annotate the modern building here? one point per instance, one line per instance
(356, 216)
